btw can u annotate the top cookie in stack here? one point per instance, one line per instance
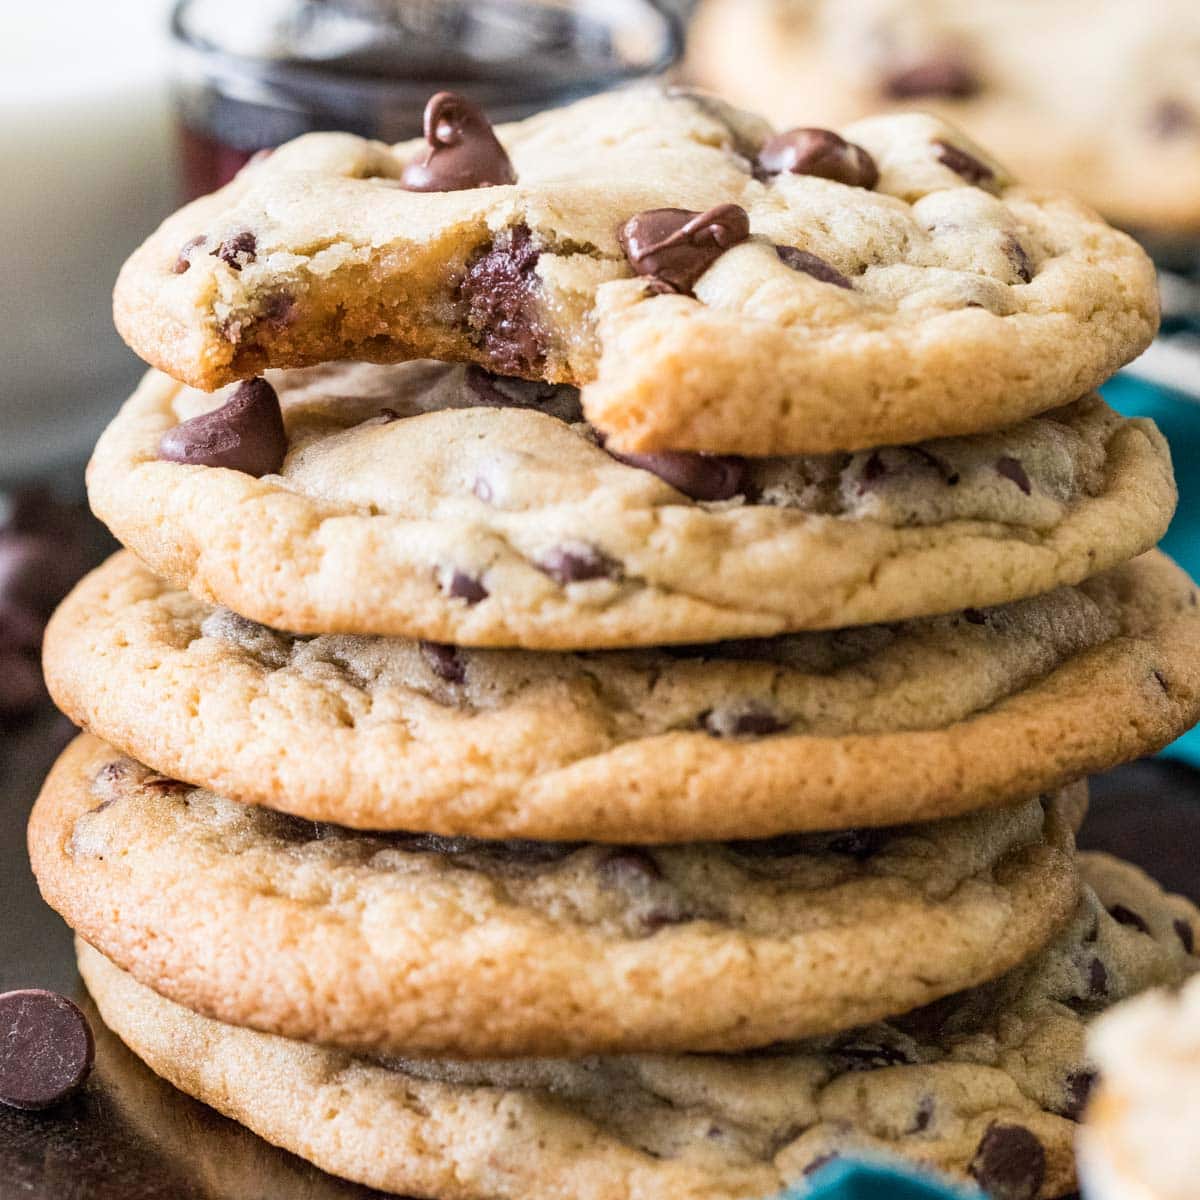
(757, 491)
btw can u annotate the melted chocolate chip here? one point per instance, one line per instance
(819, 152)
(1186, 935)
(237, 251)
(1126, 916)
(923, 1115)
(499, 292)
(1098, 978)
(1172, 118)
(811, 264)
(444, 661)
(874, 468)
(463, 152)
(943, 75)
(675, 246)
(974, 617)
(963, 164)
(184, 261)
(1012, 470)
(860, 1055)
(1077, 1089)
(1009, 1163)
(245, 434)
(46, 1048)
(577, 562)
(701, 476)
(822, 1160)
(1020, 259)
(279, 310)
(753, 720)
(1161, 680)
(466, 587)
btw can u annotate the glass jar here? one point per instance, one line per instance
(249, 77)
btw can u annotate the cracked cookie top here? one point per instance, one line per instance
(1097, 98)
(439, 945)
(884, 723)
(987, 1085)
(713, 287)
(442, 502)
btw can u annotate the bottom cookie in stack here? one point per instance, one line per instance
(986, 1084)
(1139, 1142)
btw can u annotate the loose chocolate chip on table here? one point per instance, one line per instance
(1126, 916)
(963, 164)
(819, 152)
(1009, 1163)
(1012, 470)
(811, 264)
(245, 434)
(577, 562)
(444, 661)
(463, 152)
(462, 586)
(943, 75)
(46, 1048)
(184, 261)
(700, 476)
(1186, 934)
(675, 246)
(1077, 1089)
(499, 292)
(237, 251)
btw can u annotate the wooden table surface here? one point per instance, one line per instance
(130, 1136)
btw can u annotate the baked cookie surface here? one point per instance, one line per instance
(439, 502)
(941, 300)
(1097, 98)
(865, 727)
(988, 1084)
(422, 944)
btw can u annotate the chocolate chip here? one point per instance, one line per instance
(238, 251)
(822, 1160)
(752, 720)
(1098, 978)
(466, 587)
(819, 152)
(943, 75)
(628, 867)
(963, 164)
(500, 291)
(701, 476)
(245, 434)
(1173, 118)
(1009, 1163)
(675, 246)
(923, 1115)
(46, 1048)
(1186, 934)
(1012, 470)
(1020, 259)
(1126, 916)
(463, 152)
(577, 562)
(1077, 1089)
(873, 468)
(1161, 680)
(974, 617)
(859, 844)
(279, 309)
(811, 264)
(184, 261)
(949, 476)
(444, 661)
(860, 1055)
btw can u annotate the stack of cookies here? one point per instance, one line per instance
(594, 705)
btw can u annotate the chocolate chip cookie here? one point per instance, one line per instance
(422, 944)
(440, 502)
(1100, 98)
(715, 287)
(987, 1085)
(869, 726)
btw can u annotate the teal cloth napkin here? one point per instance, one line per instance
(1178, 416)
